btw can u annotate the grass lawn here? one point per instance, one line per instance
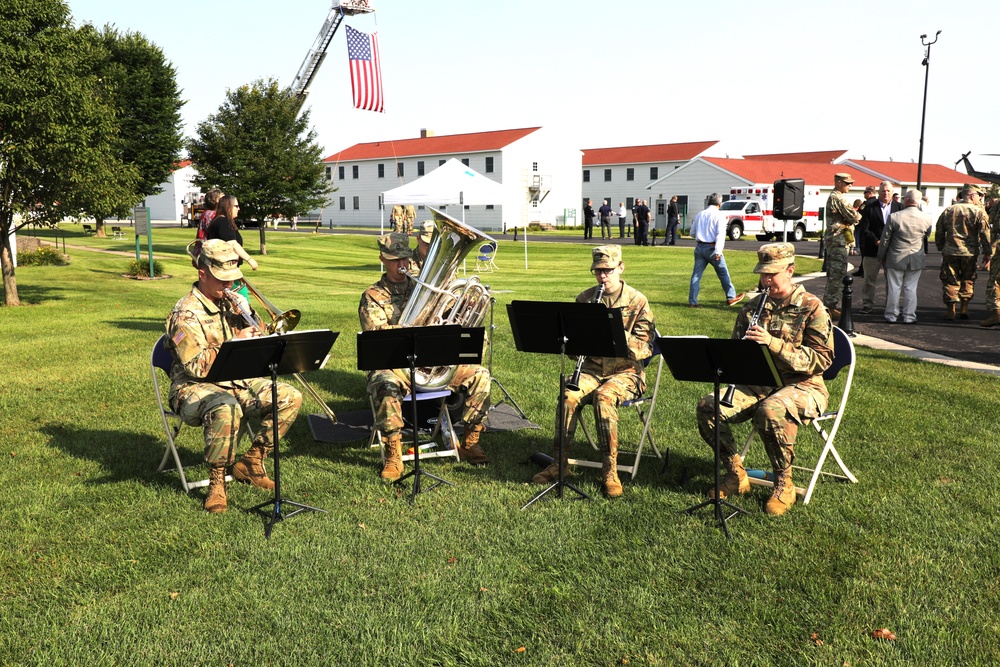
(105, 562)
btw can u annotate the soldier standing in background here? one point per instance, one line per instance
(962, 232)
(380, 308)
(840, 217)
(993, 284)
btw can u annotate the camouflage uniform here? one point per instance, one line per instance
(396, 219)
(961, 233)
(409, 216)
(196, 329)
(840, 218)
(802, 349)
(993, 284)
(612, 380)
(380, 308)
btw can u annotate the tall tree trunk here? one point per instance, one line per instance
(99, 228)
(7, 264)
(263, 241)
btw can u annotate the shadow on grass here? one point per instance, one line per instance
(34, 295)
(123, 455)
(138, 324)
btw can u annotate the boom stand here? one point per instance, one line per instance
(294, 352)
(446, 345)
(719, 360)
(581, 329)
(493, 378)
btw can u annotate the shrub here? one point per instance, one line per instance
(44, 256)
(140, 269)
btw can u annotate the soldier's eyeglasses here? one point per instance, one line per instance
(599, 271)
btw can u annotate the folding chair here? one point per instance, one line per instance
(484, 260)
(843, 357)
(644, 407)
(442, 427)
(161, 359)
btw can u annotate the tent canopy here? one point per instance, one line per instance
(451, 183)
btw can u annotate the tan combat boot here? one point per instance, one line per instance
(250, 468)
(992, 320)
(950, 314)
(551, 473)
(393, 468)
(611, 485)
(215, 501)
(963, 310)
(735, 481)
(470, 451)
(783, 495)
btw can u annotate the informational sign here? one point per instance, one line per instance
(141, 220)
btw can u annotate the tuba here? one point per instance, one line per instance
(437, 299)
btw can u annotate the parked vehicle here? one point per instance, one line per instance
(748, 211)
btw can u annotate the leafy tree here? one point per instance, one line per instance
(143, 86)
(57, 127)
(259, 149)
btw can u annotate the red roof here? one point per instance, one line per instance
(769, 171)
(443, 145)
(906, 172)
(182, 164)
(639, 154)
(821, 157)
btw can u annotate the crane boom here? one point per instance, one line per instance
(314, 58)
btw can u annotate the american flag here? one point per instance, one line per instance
(366, 75)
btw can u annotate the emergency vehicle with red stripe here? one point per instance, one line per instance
(748, 211)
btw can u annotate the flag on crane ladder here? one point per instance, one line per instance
(366, 74)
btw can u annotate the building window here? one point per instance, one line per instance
(399, 169)
(420, 168)
(340, 172)
(440, 162)
(534, 166)
(489, 207)
(607, 175)
(654, 173)
(354, 171)
(357, 203)
(466, 207)
(381, 170)
(465, 161)
(629, 174)
(489, 165)
(343, 203)
(628, 203)
(586, 176)
(329, 173)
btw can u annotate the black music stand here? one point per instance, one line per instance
(294, 352)
(408, 347)
(558, 327)
(719, 361)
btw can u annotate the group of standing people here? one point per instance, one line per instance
(640, 221)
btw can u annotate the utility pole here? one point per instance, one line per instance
(923, 116)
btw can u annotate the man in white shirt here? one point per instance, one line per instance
(709, 232)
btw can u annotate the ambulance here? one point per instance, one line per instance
(748, 211)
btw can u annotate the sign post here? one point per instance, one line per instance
(142, 226)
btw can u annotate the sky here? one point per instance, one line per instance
(761, 77)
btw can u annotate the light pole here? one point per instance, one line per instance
(923, 115)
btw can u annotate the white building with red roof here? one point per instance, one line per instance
(539, 172)
(169, 204)
(621, 174)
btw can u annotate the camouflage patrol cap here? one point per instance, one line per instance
(844, 176)
(606, 257)
(220, 259)
(394, 246)
(774, 257)
(972, 187)
(426, 231)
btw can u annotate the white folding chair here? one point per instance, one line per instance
(161, 359)
(843, 357)
(644, 407)
(484, 260)
(441, 436)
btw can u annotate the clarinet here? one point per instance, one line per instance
(727, 400)
(574, 382)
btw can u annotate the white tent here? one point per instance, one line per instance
(451, 183)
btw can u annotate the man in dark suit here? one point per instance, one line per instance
(874, 214)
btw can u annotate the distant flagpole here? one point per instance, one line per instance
(366, 73)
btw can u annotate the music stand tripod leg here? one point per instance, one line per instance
(561, 482)
(717, 502)
(275, 515)
(417, 471)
